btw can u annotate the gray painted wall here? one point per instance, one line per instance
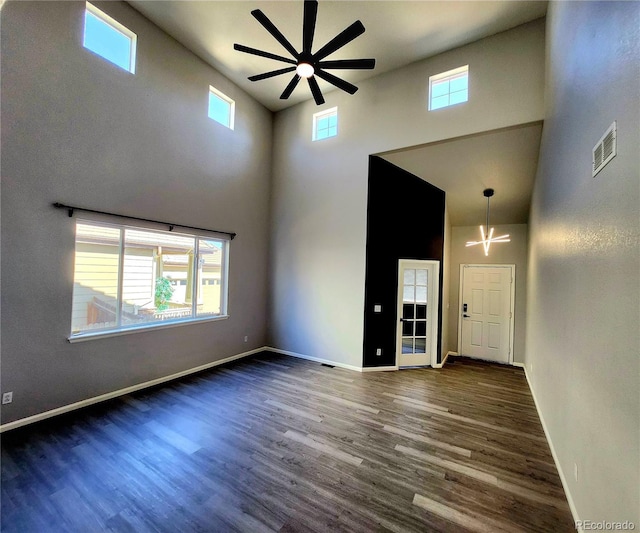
(508, 253)
(583, 338)
(78, 130)
(320, 188)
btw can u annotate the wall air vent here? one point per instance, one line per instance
(605, 150)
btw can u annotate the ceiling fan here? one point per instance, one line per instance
(307, 64)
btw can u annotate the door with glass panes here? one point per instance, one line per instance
(417, 333)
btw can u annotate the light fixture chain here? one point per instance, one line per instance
(487, 226)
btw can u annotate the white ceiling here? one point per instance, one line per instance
(504, 160)
(397, 33)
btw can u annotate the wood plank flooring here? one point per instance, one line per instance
(273, 443)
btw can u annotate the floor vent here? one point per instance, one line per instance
(605, 150)
(328, 366)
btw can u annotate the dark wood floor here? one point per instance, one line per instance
(273, 443)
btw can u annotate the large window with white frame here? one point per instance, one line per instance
(325, 124)
(106, 37)
(221, 108)
(449, 88)
(127, 278)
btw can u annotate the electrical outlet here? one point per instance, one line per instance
(7, 397)
(378, 351)
(246, 338)
(575, 471)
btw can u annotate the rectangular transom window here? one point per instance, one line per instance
(221, 107)
(127, 278)
(449, 88)
(325, 124)
(108, 38)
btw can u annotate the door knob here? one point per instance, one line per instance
(466, 316)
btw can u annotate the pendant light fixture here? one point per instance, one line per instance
(488, 238)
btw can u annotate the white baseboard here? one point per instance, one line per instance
(563, 479)
(128, 390)
(120, 392)
(378, 368)
(317, 359)
(440, 365)
(456, 354)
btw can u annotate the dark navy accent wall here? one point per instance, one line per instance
(405, 220)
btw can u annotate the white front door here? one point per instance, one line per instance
(486, 312)
(417, 333)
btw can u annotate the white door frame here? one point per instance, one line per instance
(433, 301)
(512, 267)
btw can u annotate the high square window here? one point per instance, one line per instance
(325, 124)
(221, 107)
(108, 38)
(449, 88)
(127, 278)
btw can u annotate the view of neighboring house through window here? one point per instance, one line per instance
(325, 124)
(449, 88)
(221, 107)
(108, 38)
(127, 277)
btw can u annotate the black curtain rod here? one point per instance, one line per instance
(71, 208)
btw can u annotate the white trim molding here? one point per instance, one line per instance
(120, 392)
(378, 368)
(316, 359)
(563, 479)
(441, 364)
(433, 291)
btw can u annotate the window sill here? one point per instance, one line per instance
(81, 337)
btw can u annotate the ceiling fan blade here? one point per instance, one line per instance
(346, 36)
(271, 74)
(262, 53)
(359, 64)
(289, 88)
(309, 25)
(269, 26)
(338, 82)
(315, 91)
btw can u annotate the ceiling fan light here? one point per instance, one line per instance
(304, 70)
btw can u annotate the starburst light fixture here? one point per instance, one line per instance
(488, 238)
